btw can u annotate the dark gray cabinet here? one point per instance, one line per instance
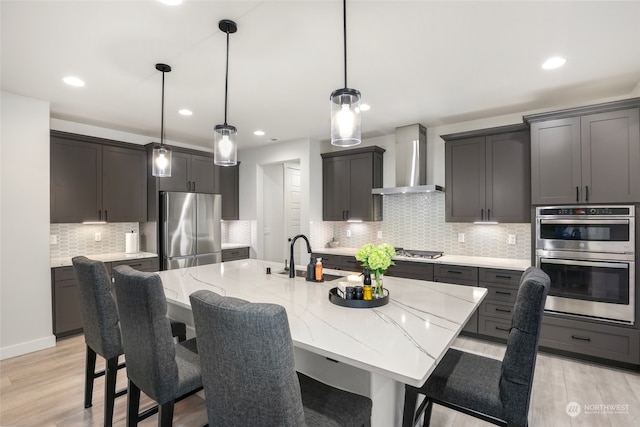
(586, 155)
(411, 270)
(65, 301)
(339, 262)
(347, 179)
(190, 172)
(235, 254)
(96, 180)
(459, 275)
(488, 175)
(229, 179)
(496, 311)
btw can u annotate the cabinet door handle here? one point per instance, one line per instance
(577, 194)
(488, 214)
(99, 215)
(481, 214)
(105, 215)
(194, 185)
(586, 192)
(577, 337)
(502, 310)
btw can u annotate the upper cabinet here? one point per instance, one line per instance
(96, 180)
(586, 155)
(229, 189)
(347, 179)
(488, 175)
(190, 172)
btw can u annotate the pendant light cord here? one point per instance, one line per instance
(162, 115)
(226, 80)
(344, 24)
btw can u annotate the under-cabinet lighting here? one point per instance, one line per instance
(354, 220)
(485, 222)
(94, 222)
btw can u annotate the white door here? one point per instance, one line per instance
(292, 212)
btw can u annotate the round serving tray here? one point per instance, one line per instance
(358, 303)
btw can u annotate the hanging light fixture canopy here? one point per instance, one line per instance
(345, 105)
(162, 155)
(225, 146)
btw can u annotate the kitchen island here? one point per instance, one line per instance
(373, 352)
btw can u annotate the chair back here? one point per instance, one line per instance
(246, 356)
(97, 307)
(519, 361)
(146, 333)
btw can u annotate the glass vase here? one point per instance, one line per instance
(378, 291)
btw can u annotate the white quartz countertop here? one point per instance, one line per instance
(403, 340)
(235, 245)
(118, 256)
(472, 261)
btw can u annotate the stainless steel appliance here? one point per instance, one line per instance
(190, 232)
(589, 254)
(411, 253)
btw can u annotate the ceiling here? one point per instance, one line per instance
(413, 61)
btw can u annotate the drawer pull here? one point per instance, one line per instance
(454, 272)
(576, 337)
(502, 310)
(503, 293)
(501, 328)
(135, 265)
(499, 276)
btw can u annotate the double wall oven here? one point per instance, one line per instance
(589, 253)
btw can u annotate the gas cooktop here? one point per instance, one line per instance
(409, 253)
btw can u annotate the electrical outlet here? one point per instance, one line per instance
(511, 239)
(98, 237)
(53, 239)
(460, 237)
(348, 233)
(380, 234)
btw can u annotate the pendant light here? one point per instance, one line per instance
(162, 154)
(345, 105)
(225, 147)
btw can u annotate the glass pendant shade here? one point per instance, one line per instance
(225, 145)
(345, 118)
(162, 161)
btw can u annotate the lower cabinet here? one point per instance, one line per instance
(339, 262)
(235, 254)
(459, 275)
(411, 270)
(496, 311)
(65, 301)
(591, 339)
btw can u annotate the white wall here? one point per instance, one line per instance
(25, 278)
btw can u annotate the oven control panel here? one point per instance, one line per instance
(587, 211)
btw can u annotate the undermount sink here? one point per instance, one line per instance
(303, 273)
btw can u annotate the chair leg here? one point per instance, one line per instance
(89, 375)
(165, 414)
(427, 414)
(410, 399)
(133, 404)
(111, 373)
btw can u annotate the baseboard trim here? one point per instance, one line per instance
(27, 347)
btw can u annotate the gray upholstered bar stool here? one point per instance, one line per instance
(249, 374)
(496, 391)
(101, 330)
(165, 371)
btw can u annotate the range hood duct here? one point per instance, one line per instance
(411, 163)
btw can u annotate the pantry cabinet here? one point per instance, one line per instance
(347, 179)
(487, 175)
(92, 179)
(586, 155)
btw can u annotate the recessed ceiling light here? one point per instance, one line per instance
(365, 107)
(171, 2)
(258, 132)
(554, 62)
(73, 81)
(185, 112)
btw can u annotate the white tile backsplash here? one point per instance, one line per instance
(79, 239)
(416, 221)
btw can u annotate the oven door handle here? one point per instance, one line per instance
(620, 265)
(579, 221)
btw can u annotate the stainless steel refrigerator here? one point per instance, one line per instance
(189, 229)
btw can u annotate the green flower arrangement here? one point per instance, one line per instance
(377, 259)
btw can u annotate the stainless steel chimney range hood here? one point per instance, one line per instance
(411, 163)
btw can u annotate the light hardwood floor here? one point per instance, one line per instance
(45, 388)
